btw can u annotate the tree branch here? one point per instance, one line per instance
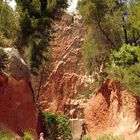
(106, 35)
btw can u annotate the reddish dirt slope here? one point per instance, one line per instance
(112, 110)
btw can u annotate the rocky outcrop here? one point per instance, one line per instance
(66, 77)
(112, 110)
(18, 112)
(17, 107)
(17, 66)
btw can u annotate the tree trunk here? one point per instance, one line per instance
(40, 83)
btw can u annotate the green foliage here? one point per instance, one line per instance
(93, 54)
(3, 59)
(5, 136)
(129, 77)
(55, 5)
(8, 20)
(105, 17)
(87, 94)
(112, 23)
(97, 84)
(28, 136)
(64, 131)
(126, 56)
(57, 127)
(124, 66)
(86, 137)
(51, 124)
(36, 17)
(110, 137)
(1, 42)
(134, 17)
(41, 52)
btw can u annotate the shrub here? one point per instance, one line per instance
(28, 136)
(124, 66)
(126, 56)
(87, 94)
(64, 131)
(5, 136)
(86, 137)
(51, 124)
(57, 126)
(110, 137)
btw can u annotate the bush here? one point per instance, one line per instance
(5, 136)
(57, 127)
(28, 136)
(87, 94)
(127, 55)
(64, 131)
(51, 125)
(110, 137)
(86, 137)
(124, 66)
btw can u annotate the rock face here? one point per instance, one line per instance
(65, 78)
(18, 112)
(17, 67)
(112, 110)
(17, 107)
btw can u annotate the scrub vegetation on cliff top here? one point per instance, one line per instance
(113, 39)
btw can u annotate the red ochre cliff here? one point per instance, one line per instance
(113, 110)
(66, 77)
(17, 107)
(18, 111)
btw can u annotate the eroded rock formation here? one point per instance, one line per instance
(17, 107)
(66, 78)
(112, 110)
(18, 112)
(17, 66)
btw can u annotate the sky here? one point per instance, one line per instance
(71, 8)
(12, 4)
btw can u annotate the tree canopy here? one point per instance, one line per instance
(124, 65)
(117, 21)
(113, 28)
(36, 17)
(111, 23)
(8, 20)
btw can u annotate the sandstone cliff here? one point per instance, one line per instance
(113, 110)
(66, 77)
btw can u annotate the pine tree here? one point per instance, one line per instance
(36, 18)
(8, 20)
